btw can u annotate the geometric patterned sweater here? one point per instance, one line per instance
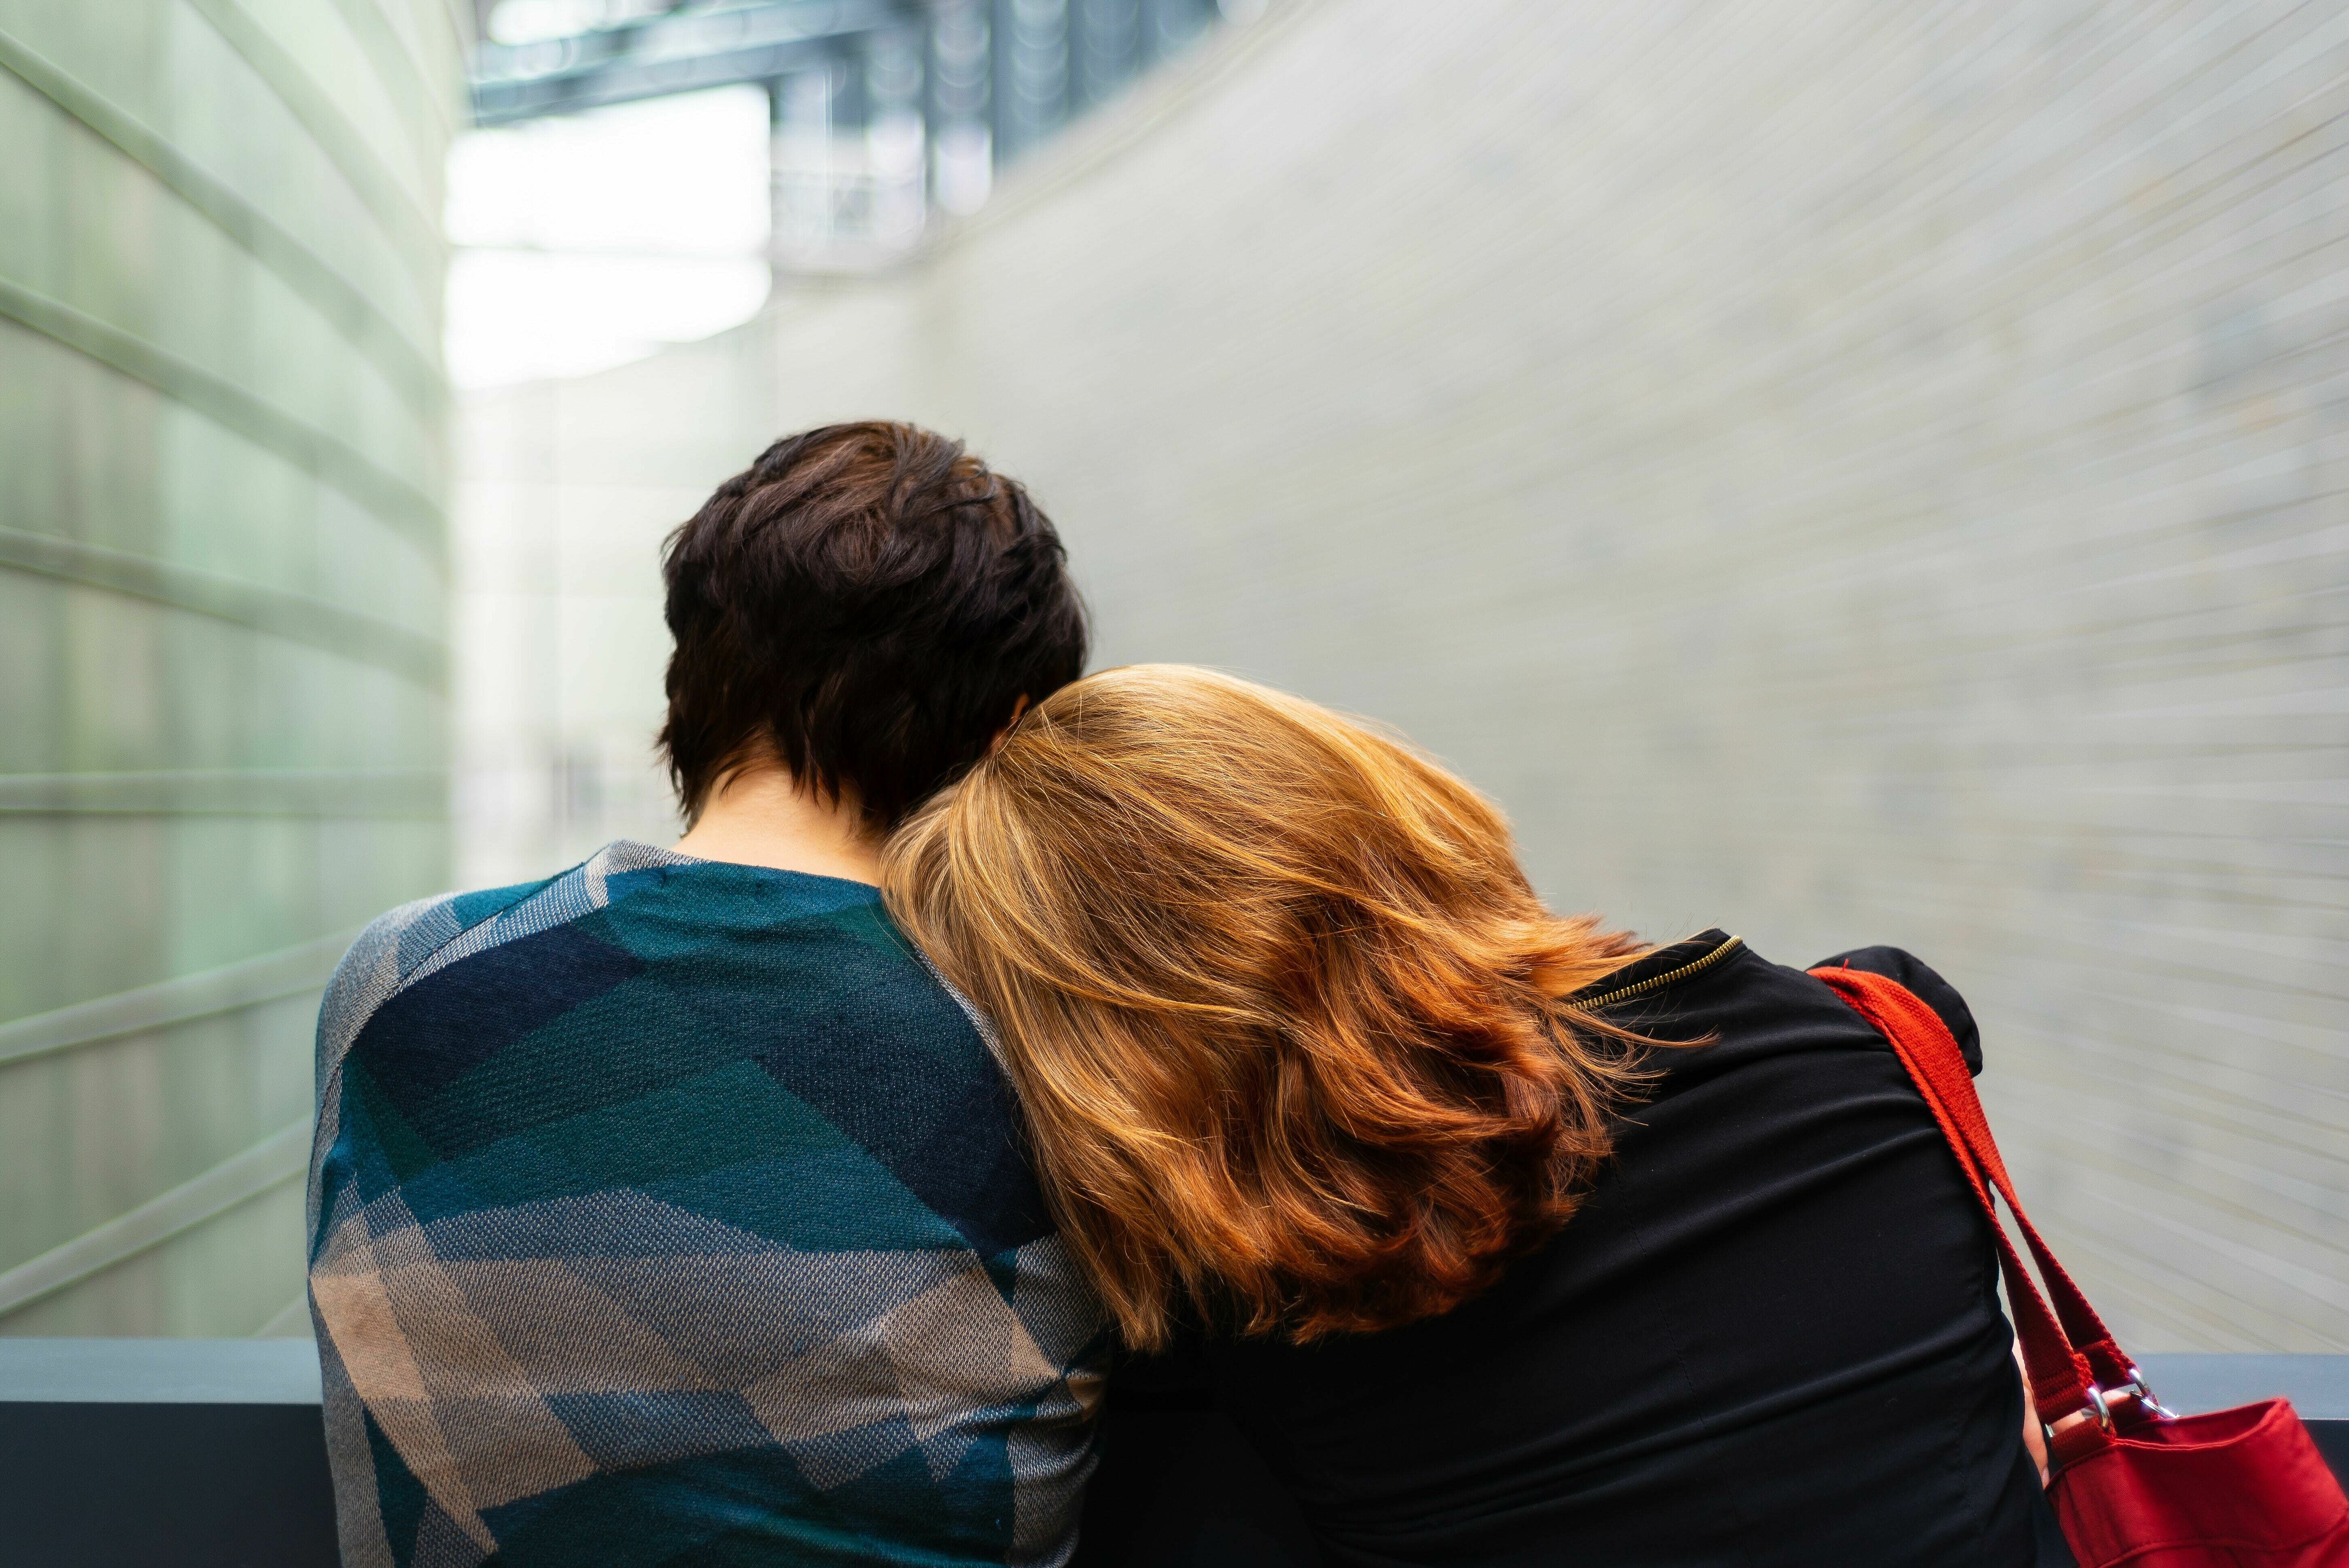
(672, 1213)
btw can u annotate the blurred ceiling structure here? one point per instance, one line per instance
(884, 110)
(683, 48)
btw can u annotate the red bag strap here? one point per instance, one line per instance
(2062, 1376)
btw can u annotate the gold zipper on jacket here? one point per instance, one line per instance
(1655, 981)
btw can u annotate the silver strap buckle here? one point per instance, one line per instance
(2137, 1388)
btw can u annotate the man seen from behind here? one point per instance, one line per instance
(671, 1210)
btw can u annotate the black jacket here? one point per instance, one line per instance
(1771, 1338)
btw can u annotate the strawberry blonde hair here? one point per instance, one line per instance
(1283, 1013)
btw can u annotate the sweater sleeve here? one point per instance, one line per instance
(1896, 964)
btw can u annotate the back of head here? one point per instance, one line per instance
(865, 604)
(1281, 1007)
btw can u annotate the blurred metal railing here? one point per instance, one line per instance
(226, 1454)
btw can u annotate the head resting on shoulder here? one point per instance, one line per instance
(1280, 1006)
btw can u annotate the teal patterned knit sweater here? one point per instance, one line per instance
(671, 1211)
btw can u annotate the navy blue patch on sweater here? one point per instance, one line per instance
(457, 1017)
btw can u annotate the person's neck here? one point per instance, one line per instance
(762, 816)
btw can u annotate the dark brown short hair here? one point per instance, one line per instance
(866, 604)
(1286, 1022)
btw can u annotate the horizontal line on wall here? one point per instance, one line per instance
(310, 622)
(270, 977)
(431, 120)
(323, 457)
(407, 368)
(291, 1321)
(462, 27)
(273, 1161)
(231, 792)
(411, 227)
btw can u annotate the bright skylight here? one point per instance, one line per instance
(590, 240)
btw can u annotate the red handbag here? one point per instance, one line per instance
(2133, 1483)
